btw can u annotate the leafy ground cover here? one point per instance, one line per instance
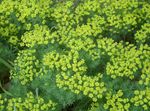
(74, 55)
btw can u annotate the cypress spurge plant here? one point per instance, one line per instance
(79, 55)
(7, 55)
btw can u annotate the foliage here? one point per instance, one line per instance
(86, 55)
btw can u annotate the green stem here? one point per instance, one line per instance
(5, 63)
(36, 91)
(8, 93)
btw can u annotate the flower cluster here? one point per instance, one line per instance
(126, 63)
(27, 66)
(115, 18)
(39, 36)
(89, 86)
(20, 16)
(30, 102)
(108, 47)
(64, 62)
(2, 102)
(143, 35)
(7, 28)
(77, 50)
(145, 78)
(94, 106)
(142, 98)
(116, 102)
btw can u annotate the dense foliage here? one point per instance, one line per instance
(75, 55)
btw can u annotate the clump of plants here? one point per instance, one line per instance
(75, 55)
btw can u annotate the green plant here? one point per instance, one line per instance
(7, 55)
(79, 55)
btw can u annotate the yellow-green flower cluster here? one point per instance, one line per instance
(94, 106)
(87, 45)
(145, 71)
(29, 103)
(92, 87)
(124, 59)
(77, 39)
(143, 35)
(88, 8)
(21, 15)
(120, 16)
(144, 13)
(145, 76)
(108, 46)
(32, 8)
(64, 62)
(27, 66)
(76, 36)
(7, 29)
(76, 43)
(62, 13)
(126, 63)
(94, 27)
(115, 102)
(52, 60)
(2, 102)
(145, 49)
(97, 24)
(41, 35)
(142, 98)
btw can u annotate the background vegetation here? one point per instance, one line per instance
(75, 55)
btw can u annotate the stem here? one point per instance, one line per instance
(8, 93)
(14, 107)
(36, 91)
(5, 63)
